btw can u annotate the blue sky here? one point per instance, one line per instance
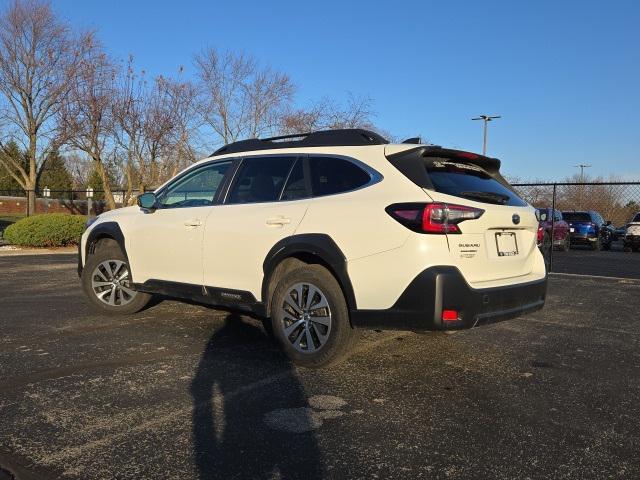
(565, 75)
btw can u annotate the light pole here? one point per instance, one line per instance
(89, 198)
(485, 120)
(581, 166)
(46, 193)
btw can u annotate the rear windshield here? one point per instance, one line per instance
(470, 181)
(576, 217)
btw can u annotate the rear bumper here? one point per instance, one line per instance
(583, 237)
(444, 288)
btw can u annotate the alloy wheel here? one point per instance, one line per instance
(111, 283)
(306, 317)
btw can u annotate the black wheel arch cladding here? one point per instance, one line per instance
(105, 230)
(318, 245)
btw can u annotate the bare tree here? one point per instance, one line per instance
(357, 112)
(129, 119)
(38, 58)
(167, 129)
(86, 118)
(154, 127)
(80, 168)
(238, 98)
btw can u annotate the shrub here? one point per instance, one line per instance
(50, 230)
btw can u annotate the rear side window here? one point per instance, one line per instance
(296, 187)
(576, 217)
(471, 182)
(260, 179)
(331, 175)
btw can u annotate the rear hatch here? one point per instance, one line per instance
(579, 223)
(501, 242)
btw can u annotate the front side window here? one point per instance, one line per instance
(195, 189)
(331, 175)
(260, 179)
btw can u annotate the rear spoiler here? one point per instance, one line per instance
(411, 162)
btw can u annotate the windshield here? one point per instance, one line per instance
(636, 218)
(472, 182)
(576, 216)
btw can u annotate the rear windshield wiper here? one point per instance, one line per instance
(490, 197)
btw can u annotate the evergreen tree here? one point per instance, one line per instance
(7, 182)
(95, 181)
(56, 176)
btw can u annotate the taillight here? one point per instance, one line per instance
(450, 315)
(435, 218)
(540, 234)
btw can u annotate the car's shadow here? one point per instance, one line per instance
(241, 377)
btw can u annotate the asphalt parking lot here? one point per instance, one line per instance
(182, 391)
(613, 263)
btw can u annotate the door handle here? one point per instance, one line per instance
(192, 223)
(278, 221)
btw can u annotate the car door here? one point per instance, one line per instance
(166, 244)
(560, 227)
(266, 201)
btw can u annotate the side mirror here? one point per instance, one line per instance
(147, 201)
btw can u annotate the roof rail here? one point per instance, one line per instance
(324, 138)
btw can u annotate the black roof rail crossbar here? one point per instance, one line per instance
(324, 138)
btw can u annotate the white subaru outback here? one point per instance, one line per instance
(324, 233)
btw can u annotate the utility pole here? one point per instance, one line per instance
(485, 120)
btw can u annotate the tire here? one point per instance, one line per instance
(98, 273)
(546, 245)
(306, 342)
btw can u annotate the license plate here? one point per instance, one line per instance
(572, 230)
(507, 244)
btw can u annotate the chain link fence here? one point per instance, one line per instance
(615, 202)
(76, 202)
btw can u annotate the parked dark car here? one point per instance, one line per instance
(549, 220)
(620, 232)
(589, 228)
(632, 234)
